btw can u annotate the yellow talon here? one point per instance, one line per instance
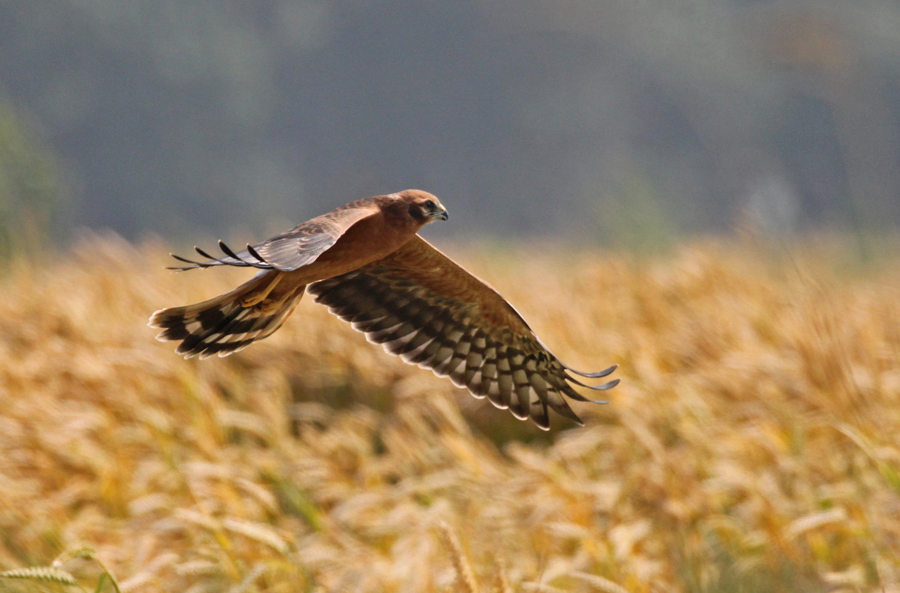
(257, 297)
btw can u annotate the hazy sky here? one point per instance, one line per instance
(597, 120)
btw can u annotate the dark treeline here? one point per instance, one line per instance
(608, 121)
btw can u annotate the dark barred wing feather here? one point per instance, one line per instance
(421, 306)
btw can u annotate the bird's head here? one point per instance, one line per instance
(422, 206)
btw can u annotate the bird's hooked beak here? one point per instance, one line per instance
(442, 215)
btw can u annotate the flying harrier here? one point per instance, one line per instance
(366, 263)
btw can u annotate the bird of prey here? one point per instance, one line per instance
(367, 264)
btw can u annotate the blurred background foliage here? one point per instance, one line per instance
(620, 122)
(30, 191)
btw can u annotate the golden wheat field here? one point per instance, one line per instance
(753, 445)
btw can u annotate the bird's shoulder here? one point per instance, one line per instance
(337, 221)
(423, 264)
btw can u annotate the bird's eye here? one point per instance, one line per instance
(430, 205)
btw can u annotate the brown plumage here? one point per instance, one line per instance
(367, 264)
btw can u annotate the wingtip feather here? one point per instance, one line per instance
(592, 375)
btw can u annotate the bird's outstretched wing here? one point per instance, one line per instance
(420, 305)
(288, 251)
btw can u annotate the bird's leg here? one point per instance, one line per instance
(256, 297)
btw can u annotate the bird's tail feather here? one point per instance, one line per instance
(227, 323)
